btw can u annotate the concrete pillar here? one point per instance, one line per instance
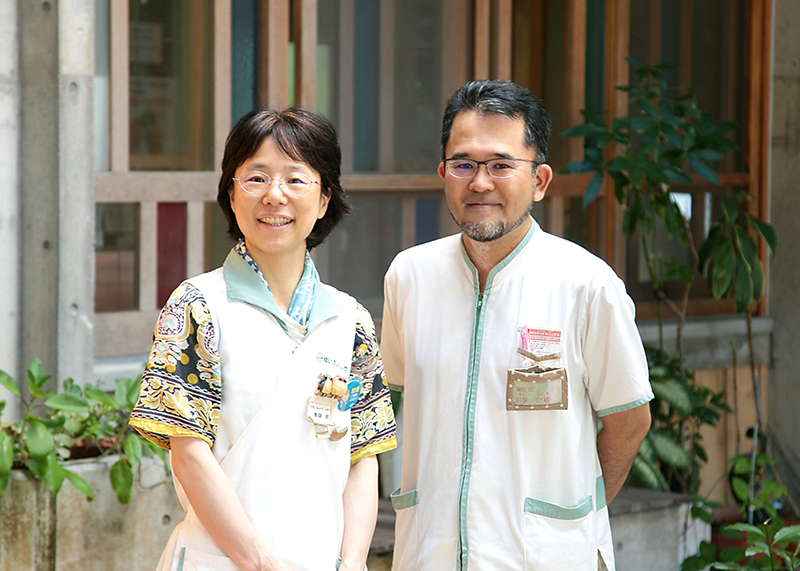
(784, 272)
(9, 200)
(57, 194)
(76, 190)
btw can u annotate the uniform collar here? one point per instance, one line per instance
(244, 284)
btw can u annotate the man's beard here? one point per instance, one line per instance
(490, 231)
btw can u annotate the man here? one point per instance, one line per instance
(509, 344)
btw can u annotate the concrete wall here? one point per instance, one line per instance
(9, 196)
(784, 272)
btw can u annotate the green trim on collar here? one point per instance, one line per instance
(503, 263)
(244, 284)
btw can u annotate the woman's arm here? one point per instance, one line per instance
(360, 513)
(217, 507)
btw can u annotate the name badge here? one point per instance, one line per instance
(528, 389)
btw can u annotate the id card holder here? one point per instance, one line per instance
(529, 389)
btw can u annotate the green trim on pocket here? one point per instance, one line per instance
(600, 493)
(180, 559)
(338, 563)
(540, 507)
(402, 501)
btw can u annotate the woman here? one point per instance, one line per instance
(258, 371)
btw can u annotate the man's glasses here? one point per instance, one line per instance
(497, 168)
(257, 183)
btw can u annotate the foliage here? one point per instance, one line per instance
(769, 543)
(669, 456)
(645, 153)
(78, 422)
(729, 255)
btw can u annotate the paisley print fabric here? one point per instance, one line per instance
(181, 390)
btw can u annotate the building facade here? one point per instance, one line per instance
(114, 113)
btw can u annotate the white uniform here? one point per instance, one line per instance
(485, 488)
(286, 478)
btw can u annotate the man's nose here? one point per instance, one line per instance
(482, 181)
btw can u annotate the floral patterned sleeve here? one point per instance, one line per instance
(372, 417)
(180, 393)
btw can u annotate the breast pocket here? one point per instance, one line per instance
(558, 537)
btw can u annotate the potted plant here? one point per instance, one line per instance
(78, 423)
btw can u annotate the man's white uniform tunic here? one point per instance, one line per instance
(483, 487)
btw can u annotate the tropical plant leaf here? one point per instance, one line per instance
(702, 169)
(121, 477)
(648, 475)
(4, 482)
(730, 207)
(593, 189)
(49, 471)
(743, 287)
(68, 402)
(723, 272)
(669, 451)
(766, 231)
(740, 489)
(748, 529)
(79, 484)
(790, 533)
(676, 394)
(577, 167)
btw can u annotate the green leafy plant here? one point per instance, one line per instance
(768, 542)
(645, 153)
(79, 422)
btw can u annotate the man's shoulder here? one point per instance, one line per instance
(434, 252)
(569, 256)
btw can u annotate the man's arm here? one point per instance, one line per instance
(360, 513)
(617, 444)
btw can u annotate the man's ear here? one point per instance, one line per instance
(542, 179)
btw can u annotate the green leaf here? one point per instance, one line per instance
(647, 107)
(3, 482)
(593, 189)
(6, 453)
(724, 260)
(712, 241)
(677, 175)
(38, 439)
(669, 451)
(121, 480)
(648, 475)
(594, 118)
(743, 287)
(633, 62)
(746, 528)
(756, 550)
(702, 169)
(79, 484)
(790, 533)
(49, 471)
(740, 464)
(9, 383)
(102, 396)
(577, 167)
(740, 489)
(676, 394)
(766, 231)
(731, 208)
(584, 130)
(702, 514)
(68, 402)
(133, 449)
(708, 155)
(731, 554)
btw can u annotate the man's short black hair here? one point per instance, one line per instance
(486, 96)
(302, 135)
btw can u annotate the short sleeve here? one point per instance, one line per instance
(391, 341)
(373, 428)
(617, 377)
(180, 393)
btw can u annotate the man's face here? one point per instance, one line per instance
(486, 208)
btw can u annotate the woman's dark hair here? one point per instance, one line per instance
(303, 136)
(503, 98)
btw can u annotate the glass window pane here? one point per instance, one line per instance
(709, 42)
(171, 84)
(171, 249)
(218, 243)
(116, 257)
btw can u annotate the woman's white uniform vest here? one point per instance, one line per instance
(289, 482)
(484, 487)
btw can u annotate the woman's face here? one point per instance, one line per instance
(276, 224)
